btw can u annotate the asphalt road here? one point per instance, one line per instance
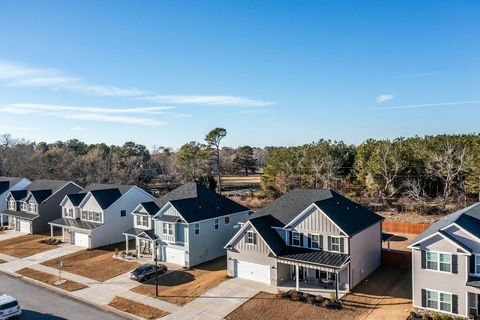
(39, 303)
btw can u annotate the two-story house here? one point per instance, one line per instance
(188, 225)
(8, 184)
(31, 208)
(97, 215)
(446, 265)
(308, 239)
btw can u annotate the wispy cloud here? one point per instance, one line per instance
(209, 100)
(384, 97)
(113, 115)
(78, 129)
(17, 75)
(428, 105)
(416, 75)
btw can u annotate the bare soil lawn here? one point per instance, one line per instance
(182, 286)
(137, 309)
(400, 241)
(385, 295)
(50, 279)
(24, 246)
(98, 264)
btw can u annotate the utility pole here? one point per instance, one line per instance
(156, 269)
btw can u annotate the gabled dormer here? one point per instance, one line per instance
(143, 214)
(169, 224)
(69, 204)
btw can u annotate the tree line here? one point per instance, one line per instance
(428, 174)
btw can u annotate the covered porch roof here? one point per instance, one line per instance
(313, 258)
(140, 233)
(75, 223)
(20, 214)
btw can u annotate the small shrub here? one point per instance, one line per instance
(310, 299)
(333, 296)
(295, 295)
(280, 293)
(116, 252)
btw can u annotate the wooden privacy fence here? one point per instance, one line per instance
(404, 227)
(397, 259)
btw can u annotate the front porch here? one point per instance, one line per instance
(145, 243)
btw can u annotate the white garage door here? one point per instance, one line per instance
(252, 271)
(25, 226)
(81, 239)
(175, 256)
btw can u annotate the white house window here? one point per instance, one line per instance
(142, 221)
(215, 224)
(439, 301)
(68, 212)
(477, 264)
(314, 241)
(251, 237)
(32, 207)
(335, 244)
(196, 228)
(296, 238)
(92, 216)
(24, 206)
(168, 228)
(226, 220)
(439, 261)
(11, 205)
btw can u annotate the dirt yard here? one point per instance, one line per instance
(182, 286)
(98, 264)
(385, 295)
(24, 246)
(400, 241)
(50, 279)
(137, 309)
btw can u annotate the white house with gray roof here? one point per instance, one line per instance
(97, 215)
(308, 239)
(8, 184)
(188, 226)
(30, 209)
(446, 265)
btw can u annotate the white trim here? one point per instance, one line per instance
(444, 237)
(439, 310)
(319, 243)
(339, 244)
(248, 236)
(69, 182)
(300, 235)
(321, 211)
(438, 261)
(234, 238)
(156, 215)
(459, 227)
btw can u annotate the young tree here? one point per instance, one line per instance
(213, 139)
(192, 162)
(244, 159)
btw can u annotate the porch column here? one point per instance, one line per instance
(51, 231)
(1, 219)
(137, 249)
(154, 254)
(126, 244)
(63, 234)
(297, 281)
(388, 244)
(336, 284)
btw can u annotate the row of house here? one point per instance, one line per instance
(306, 239)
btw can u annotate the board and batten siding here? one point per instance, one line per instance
(170, 210)
(315, 221)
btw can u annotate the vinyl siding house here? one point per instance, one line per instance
(446, 265)
(189, 225)
(30, 209)
(8, 184)
(308, 239)
(97, 215)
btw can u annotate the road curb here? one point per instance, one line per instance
(98, 306)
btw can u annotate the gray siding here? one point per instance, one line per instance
(365, 253)
(446, 282)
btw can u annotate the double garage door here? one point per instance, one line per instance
(252, 271)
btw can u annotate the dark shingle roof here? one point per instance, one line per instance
(348, 215)
(264, 227)
(150, 234)
(20, 214)
(319, 257)
(76, 198)
(106, 197)
(8, 182)
(123, 188)
(169, 218)
(4, 186)
(151, 207)
(468, 218)
(195, 202)
(41, 184)
(41, 195)
(76, 223)
(19, 194)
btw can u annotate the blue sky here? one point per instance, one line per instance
(271, 72)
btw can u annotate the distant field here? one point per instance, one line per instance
(241, 180)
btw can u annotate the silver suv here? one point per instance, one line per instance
(9, 307)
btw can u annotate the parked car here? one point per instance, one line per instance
(9, 307)
(147, 271)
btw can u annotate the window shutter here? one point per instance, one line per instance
(472, 263)
(290, 238)
(342, 245)
(301, 239)
(254, 238)
(424, 259)
(454, 263)
(424, 298)
(309, 238)
(329, 243)
(454, 303)
(320, 239)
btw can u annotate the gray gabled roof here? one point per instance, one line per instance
(467, 218)
(104, 194)
(195, 202)
(41, 189)
(106, 197)
(263, 225)
(8, 182)
(346, 214)
(76, 223)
